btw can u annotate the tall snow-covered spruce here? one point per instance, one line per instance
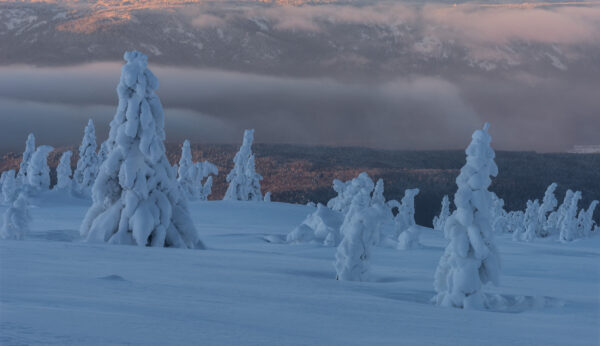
(471, 258)
(87, 166)
(136, 199)
(244, 182)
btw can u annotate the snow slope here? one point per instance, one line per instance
(245, 290)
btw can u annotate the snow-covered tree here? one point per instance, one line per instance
(585, 220)
(87, 166)
(360, 232)
(531, 223)
(440, 221)
(64, 172)
(409, 234)
(515, 221)
(498, 214)
(556, 217)
(185, 169)
(267, 197)
(471, 258)
(203, 170)
(244, 182)
(27, 154)
(191, 175)
(38, 172)
(16, 219)
(10, 186)
(568, 222)
(321, 226)
(549, 203)
(406, 212)
(346, 191)
(136, 197)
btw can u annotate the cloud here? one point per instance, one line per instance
(215, 106)
(418, 112)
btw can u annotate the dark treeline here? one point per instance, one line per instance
(299, 174)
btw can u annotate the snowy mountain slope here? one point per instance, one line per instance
(244, 290)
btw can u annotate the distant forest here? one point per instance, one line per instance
(299, 174)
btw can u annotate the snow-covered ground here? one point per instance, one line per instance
(248, 289)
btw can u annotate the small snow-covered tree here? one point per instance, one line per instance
(203, 170)
(360, 232)
(568, 222)
(440, 221)
(185, 169)
(87, 166)
(585, 220)
(244, 182)
(64, 172)
(549, 203)
(38, 172)
(27, 154)
(556, 217)
(16, 219)
(515, 221)
(346, 191)
(321, 226)
(409, 233)
(406, 212)
(136, 198)
(498, 214)
(471, 258)
(10, 186)
(191, 175)
(267, 197)
(531, 223)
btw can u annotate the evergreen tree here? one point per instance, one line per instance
(64, 172)
(87, 166)
(27, 154)
(16, 219)
(38, 172)
(10, 186)
(440, 221)
(471, 258)
(360, 231)
(244, 182)
(136, 197)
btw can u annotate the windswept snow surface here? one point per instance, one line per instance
(249, 288)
